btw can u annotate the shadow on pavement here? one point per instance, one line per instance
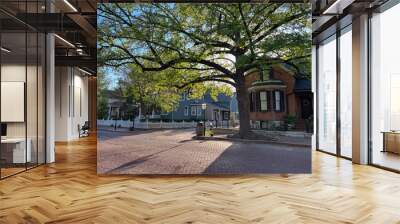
(237, 159)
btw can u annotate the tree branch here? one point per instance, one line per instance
(276, 26)
(204, 79)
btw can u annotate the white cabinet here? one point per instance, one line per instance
(19, 154)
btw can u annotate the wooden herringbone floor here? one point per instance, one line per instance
(69, 191)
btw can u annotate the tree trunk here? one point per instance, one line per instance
(243, 107)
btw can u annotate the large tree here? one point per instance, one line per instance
(220, 42)
(150, 89)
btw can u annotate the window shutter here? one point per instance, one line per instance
(258, 104)
(269, 101)
(273, 101)
(251, 102)
(255, 101)
(282, 100)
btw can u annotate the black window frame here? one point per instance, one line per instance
(282, 100)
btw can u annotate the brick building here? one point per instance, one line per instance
(278, 95)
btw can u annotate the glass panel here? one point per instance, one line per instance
(263, 100)
(22, 87)
(385, 84)
(199, 111)
(41, 98)
(346, 93)
(277, 100)
(32, 89)
(193, 111)
(13, 86)
(327, 95)
(31, 98)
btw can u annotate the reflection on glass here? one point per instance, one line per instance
(327, 95)
(15, 151)
(385, 84)
(346, 93)
(22, 90)
(31, 97)
(41, 98)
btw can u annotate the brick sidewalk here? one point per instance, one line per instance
(174, 152)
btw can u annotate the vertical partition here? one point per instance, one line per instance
(345, 92)
(22, 77)
(327, 95)
(385, 89)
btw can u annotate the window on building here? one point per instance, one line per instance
(186, 112)
(199, 111)
(263, 101)
(278, 99)
(265, 75)
(251, 102)
(193, 110)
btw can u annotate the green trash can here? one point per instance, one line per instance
(200, 129)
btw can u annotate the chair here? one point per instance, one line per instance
(84, 130)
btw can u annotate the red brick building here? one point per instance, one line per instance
(277, 95)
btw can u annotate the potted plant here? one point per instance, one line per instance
(290, 122)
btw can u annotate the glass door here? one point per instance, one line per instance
(22, 78)
(327, 95)
(346, 92)
(14, 153)
(385, 89)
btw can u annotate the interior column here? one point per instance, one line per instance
(360, 90)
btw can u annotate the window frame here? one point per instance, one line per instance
(277, 99)
(199, 110)
(263, 102)
(193, 109)
(186, 111)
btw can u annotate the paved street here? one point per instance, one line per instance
(175, 152)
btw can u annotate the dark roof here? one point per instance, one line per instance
(302, 85)
(220, 104)
(270, 82)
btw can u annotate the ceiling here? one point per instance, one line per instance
(74, 22)
(330, 15)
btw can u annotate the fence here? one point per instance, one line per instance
(154, 125)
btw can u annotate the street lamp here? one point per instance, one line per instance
(204, 107)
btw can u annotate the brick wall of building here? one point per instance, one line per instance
(292, 102)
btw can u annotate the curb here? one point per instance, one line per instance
(250, 141)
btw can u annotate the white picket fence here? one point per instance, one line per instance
(146, 124)
(154, 125)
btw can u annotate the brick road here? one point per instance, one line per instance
(174, 152)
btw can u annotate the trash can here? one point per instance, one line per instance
(200, 129)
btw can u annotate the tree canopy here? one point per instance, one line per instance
(154, 90)
(196, 43)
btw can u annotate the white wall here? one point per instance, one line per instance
(12, 73)
(71, 102)
(62, 81)
(33, 125)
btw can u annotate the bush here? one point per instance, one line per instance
(290, 122)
